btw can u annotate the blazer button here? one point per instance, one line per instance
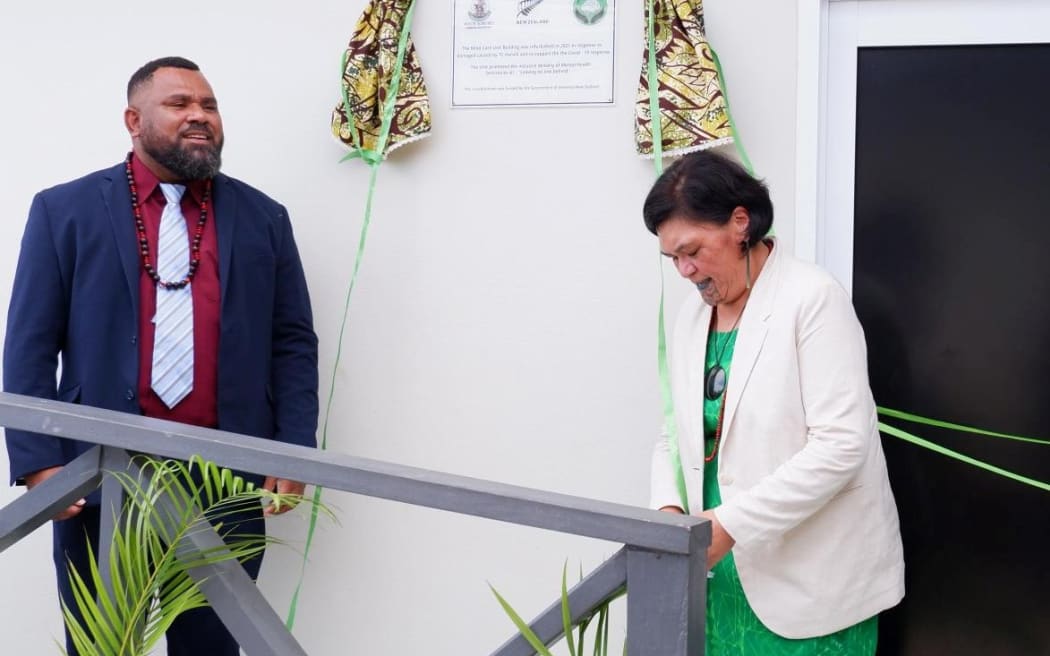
(725, 479)
(130, 394)
(134, 339)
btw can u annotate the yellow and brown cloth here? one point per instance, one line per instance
(693, 110)
(370, 68)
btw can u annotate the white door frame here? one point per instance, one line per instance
(829, 34)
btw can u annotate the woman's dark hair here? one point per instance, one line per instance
(706, 187)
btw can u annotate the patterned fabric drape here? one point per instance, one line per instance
(367, 75)
(693, 112)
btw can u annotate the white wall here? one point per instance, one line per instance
(503, 325)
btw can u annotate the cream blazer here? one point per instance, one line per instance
(805, 492)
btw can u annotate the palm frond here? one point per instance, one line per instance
(167, 503)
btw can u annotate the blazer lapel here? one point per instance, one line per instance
(690, 408)
(117, 198)
(226, 209)
(752, 334)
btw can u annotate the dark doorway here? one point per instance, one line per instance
(952, 283)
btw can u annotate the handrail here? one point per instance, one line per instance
(421, 487)
(664, 551)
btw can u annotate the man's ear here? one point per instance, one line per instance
(132, 121)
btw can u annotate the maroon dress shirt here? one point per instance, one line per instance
(200, 406)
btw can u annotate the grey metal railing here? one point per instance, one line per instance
(662, 563)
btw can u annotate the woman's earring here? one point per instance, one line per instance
(747, 256)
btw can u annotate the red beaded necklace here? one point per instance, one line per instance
(708, 457)
(140, 229)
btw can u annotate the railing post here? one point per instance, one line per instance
(113, 460)
(666, 598)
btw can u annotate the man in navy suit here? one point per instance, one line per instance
(87, 291)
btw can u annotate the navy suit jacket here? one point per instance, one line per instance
(76, 298)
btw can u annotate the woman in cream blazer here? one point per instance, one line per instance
(806, 505)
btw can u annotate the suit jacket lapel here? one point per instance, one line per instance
(225, 204)
(117, 198)
(752, 334)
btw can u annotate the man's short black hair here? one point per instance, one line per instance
(144, 74)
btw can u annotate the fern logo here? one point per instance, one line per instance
(525, 7)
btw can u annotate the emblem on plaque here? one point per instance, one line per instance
(479, 10)
(589, 12)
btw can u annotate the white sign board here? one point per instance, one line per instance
(532, 52)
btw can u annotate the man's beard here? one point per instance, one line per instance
(187, 162)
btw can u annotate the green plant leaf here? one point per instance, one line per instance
(577, 647)
(566, 612)
(581, 634)
(603, 623)
(523, 627)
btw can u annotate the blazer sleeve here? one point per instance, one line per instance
(663, 482)
(665, 476)
(293, 382)
(840, 422)
(36, 321)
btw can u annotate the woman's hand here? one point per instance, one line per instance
(721, 541)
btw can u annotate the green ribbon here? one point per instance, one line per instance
(654, 98)
(898, 414)
(729, 115)
(937, 448)
(656, 130)
(373, 159)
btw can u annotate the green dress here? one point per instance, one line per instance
(733, 629)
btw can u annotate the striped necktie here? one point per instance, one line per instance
(172, 376)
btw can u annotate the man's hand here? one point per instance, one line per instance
(38, 477)
(282, 486)
(721, 541)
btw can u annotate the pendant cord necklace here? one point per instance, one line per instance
(717, 378)
(715, 382)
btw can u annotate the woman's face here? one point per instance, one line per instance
(707, 254)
